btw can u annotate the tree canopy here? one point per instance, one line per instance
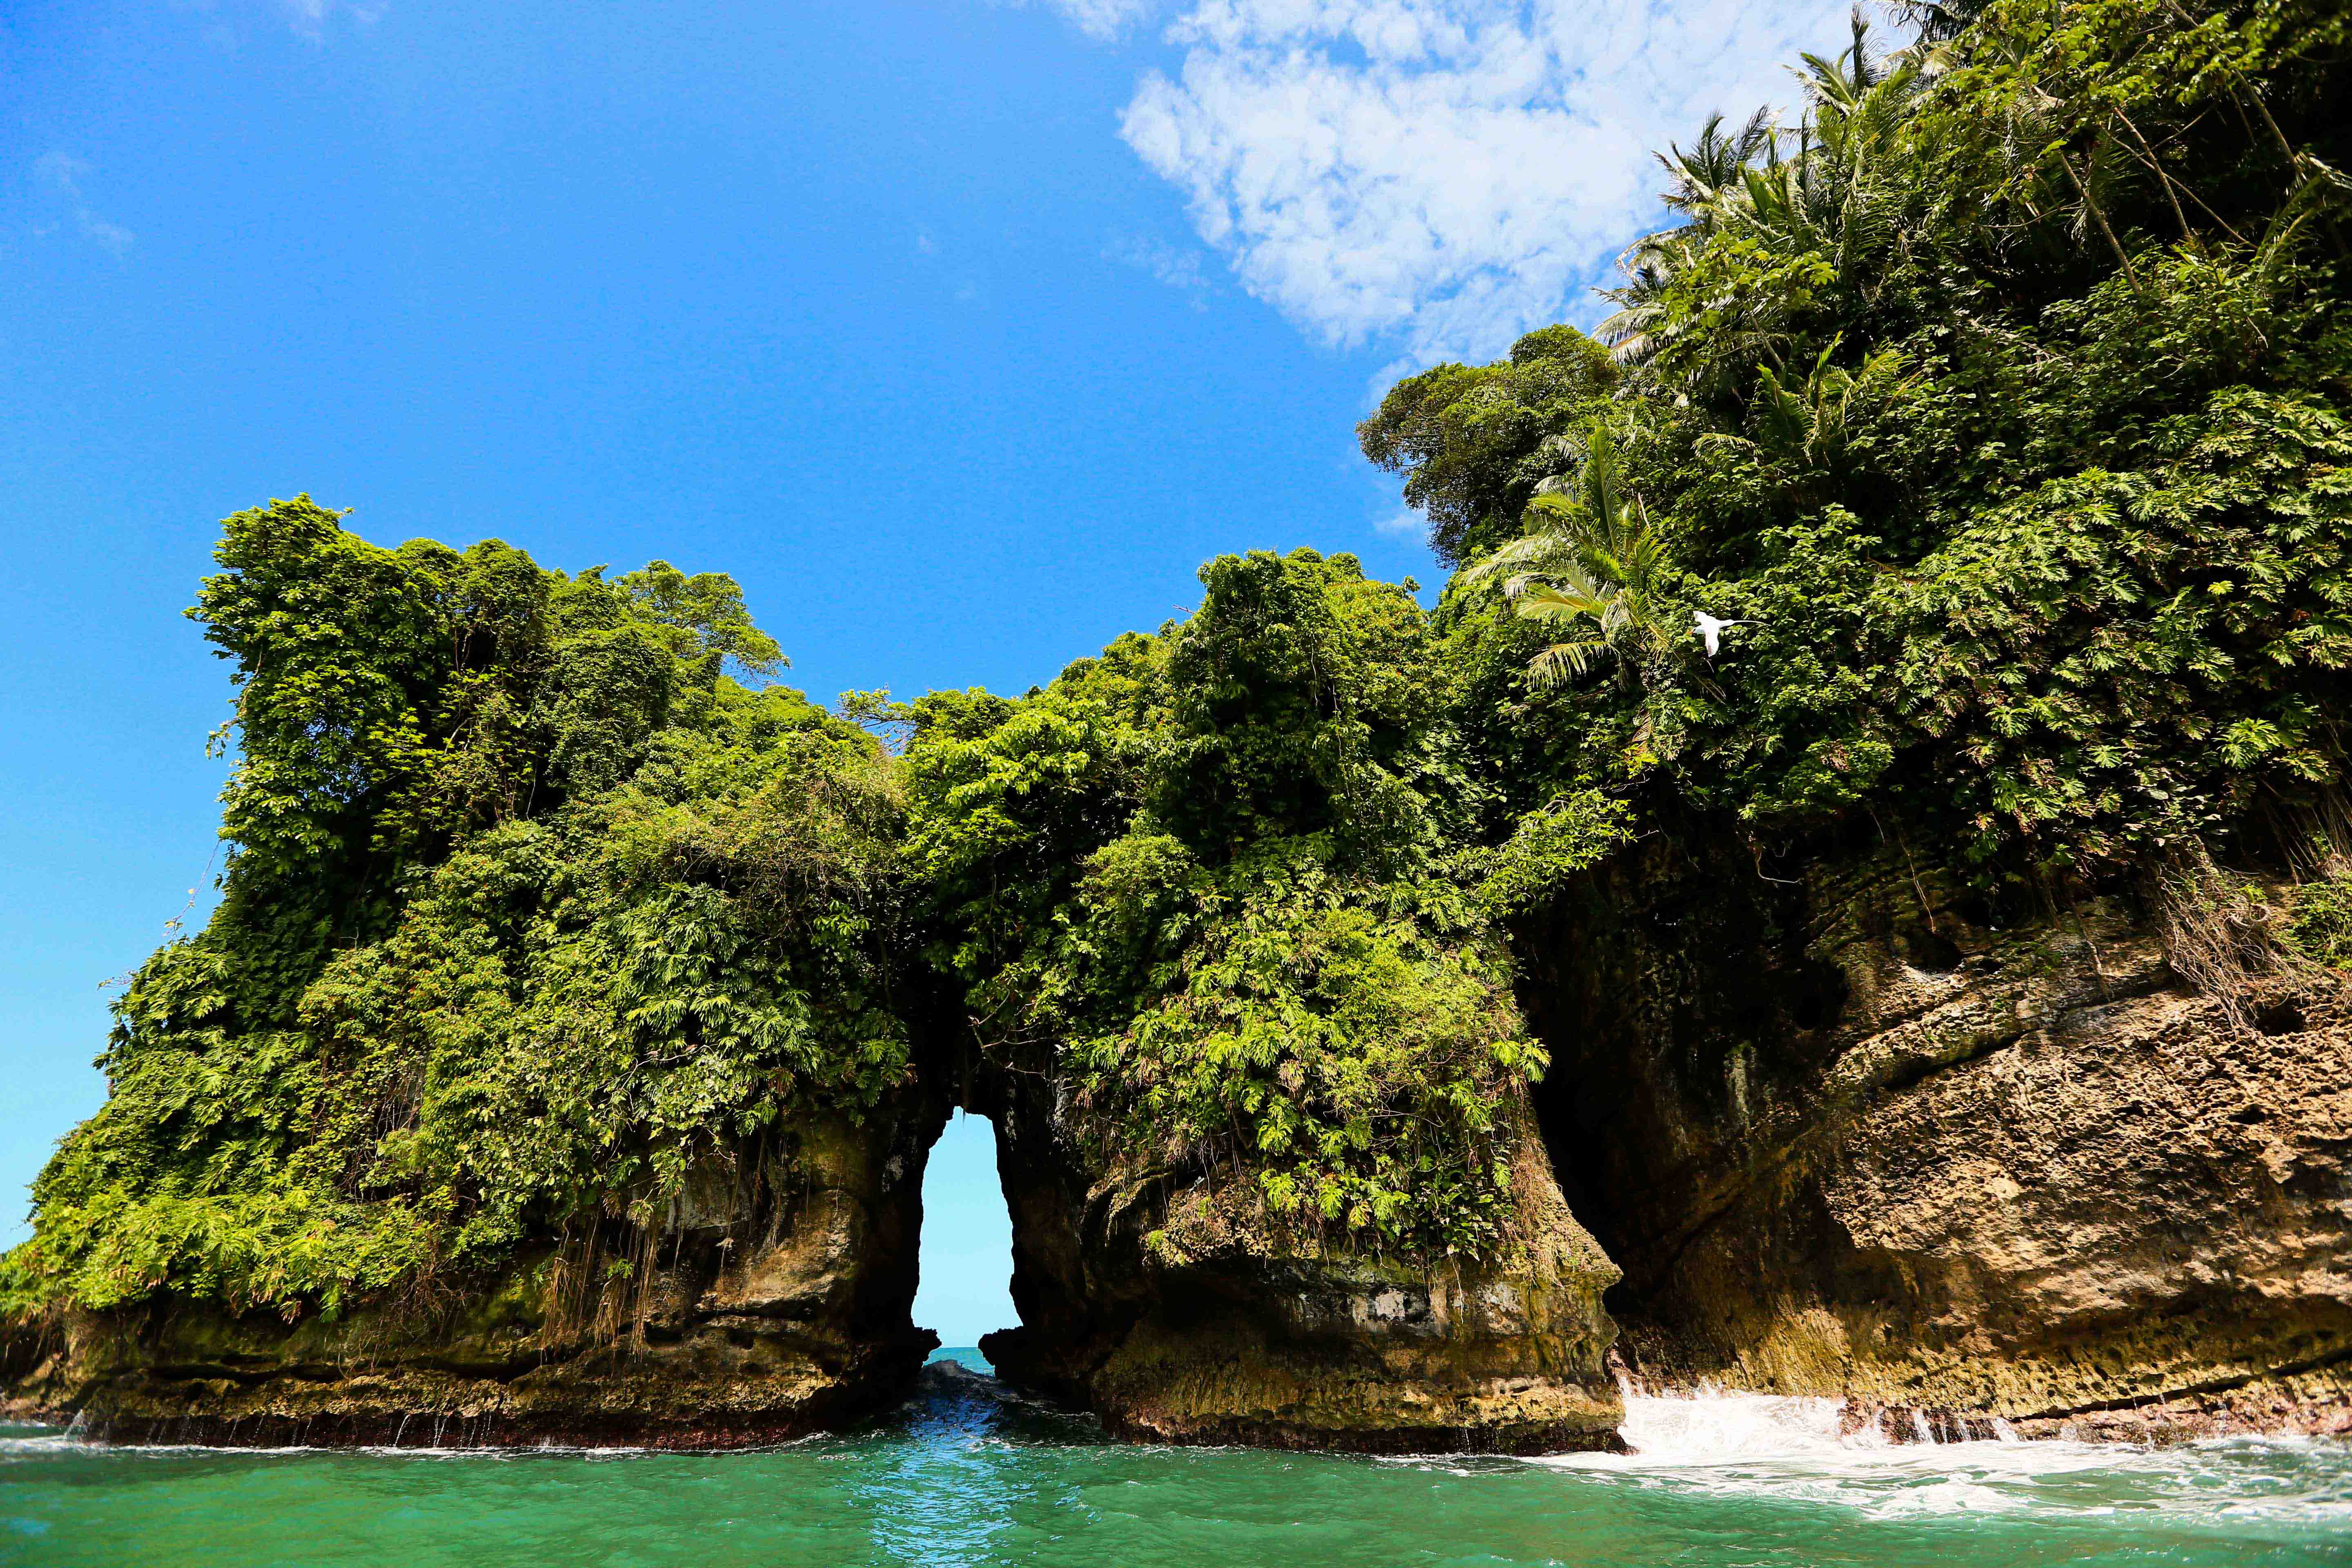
(528, 904)
(2001, 399)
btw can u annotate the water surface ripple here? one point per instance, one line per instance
(967, 1474)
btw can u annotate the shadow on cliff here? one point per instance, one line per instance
(1852, 1127)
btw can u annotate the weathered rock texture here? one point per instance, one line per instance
(1850, 1133)
(1859, 1135)
(775, 1303)
(1184, 1317)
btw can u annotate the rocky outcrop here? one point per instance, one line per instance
(1846, 1132)
(1184, 1316)
(770, 1300)
(1856, 1133)
(773, 1300)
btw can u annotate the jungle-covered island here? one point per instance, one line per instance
(1848, 892)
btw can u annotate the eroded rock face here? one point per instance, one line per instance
(1180, 1318)
(775, 1303)
(1847, 1137)
(1849, 1134)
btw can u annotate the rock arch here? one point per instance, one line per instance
(774, 1299)
(1831, 1170)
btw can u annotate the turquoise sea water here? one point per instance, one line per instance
(968, 1475)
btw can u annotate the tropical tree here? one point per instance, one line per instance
(1591, 565)
(1778, 237)
(1806, 429)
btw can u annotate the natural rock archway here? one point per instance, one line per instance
(610, 1123)
(774, 1298)
(2016, 1171)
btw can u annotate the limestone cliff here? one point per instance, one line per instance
(1850, 1131)
(1857, 1134)
(771, 1300)
(1184, 1316)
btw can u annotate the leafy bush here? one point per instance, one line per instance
(2002, 404)
(528, 907)
(2319, 921)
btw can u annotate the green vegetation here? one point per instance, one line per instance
(2003, 399)
(2319, 921)
(528, 905)
(2001, 403)
(1228, 877)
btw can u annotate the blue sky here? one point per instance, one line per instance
(960, 333)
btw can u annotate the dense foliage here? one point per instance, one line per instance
(1969, 461)
(528, 904)
(2000, 403)
(1227, 874)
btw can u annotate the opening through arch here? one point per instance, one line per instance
(964, 1268)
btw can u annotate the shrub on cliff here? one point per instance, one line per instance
(1223, 881)
(2004, 398)
(527, 904)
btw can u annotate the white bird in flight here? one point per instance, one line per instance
(1712, 630)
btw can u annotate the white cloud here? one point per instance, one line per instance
(1406, 524)
(309, 17)
(1446, 173)
(1099, 18)
(62, 173)
(1179, 270)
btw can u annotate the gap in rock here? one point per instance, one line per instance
(965, 1269)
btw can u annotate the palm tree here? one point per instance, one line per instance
(1805, 425)
(1590, 564)
(1829, 208)
(1707, 177)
